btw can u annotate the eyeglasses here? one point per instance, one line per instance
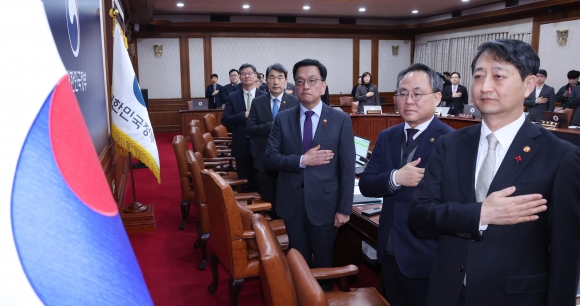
(311, 82)
(272, 78)
(540, 76)
(415, 97)
(245, 74)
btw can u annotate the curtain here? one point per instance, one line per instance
(456, 54)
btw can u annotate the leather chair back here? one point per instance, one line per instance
(190, 105)
(227, 238)
(275, 276)
(308, 290)
(346, 100)
(210, 150)
(197, 142)
(220, 131)
(180, 149)
(210, 122)
(569, 114)
(354, 107)
(195, 167)
(196, 123)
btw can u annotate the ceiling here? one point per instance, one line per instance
(390, 9)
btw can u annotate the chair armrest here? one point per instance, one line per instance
(246, 197)
(215, 164)
(236, 182)
(249, 235)
(225, 139)
(217, 159)
(219, 140)
(259, 207)
(335, 272)
(224, 151)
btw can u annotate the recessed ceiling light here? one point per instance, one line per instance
(306, 7)
(246, 6)
(465, 0)
(179, 4)
(414, 11)
(362, 9)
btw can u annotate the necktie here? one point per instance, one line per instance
(410, 134)
(454, 89)
(485, 175)
(275, 108)
(249, 103)
(307, 134)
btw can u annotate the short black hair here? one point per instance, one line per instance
(232, 70)
(364, 75)
(278, 67)
(260, 75)
(455, 72)
(542, 72)
(573, 74)
(310, 62)
(246, 65)
(436, 81)
(214, 75)
(515, 52)
(446, 73)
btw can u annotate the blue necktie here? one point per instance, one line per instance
(275, 108)
(307, 135)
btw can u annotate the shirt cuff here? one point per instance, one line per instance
(300, 164)
(482, 227)
(392, 182)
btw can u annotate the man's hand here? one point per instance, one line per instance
(541, 100)
(248, 112)
(370, 94)
(566, 94)
(410, 175)
(457, 94)
(340, 219)
(289, 91)
(215, 92)
(501, 209)
(317, 157)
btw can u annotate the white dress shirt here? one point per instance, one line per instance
(538, 90)
(279, 101)
(252, 92)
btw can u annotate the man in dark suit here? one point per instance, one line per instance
(264, 109)
(234, 85)
(263, 86)
(235, 115)
(542, 99)
(455, 95)
(486, 191)
(290, 89)
(393, 171)
(312, 146)
(574, 103)
(212, 92)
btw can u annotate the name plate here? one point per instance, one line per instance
(373, 112)
(550, 124)
(468, 116)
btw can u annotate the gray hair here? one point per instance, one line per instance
(278, 67)
(436, 81)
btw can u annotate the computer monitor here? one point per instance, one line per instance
(361, 146)
(367, 108)
(442, 111)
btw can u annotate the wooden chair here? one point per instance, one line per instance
(208, 150)
(218, 131)
(287, 280)
(346, 100)
(354, 107)
(233, 242)
(569, 114)
(196, 164)
(187, 191)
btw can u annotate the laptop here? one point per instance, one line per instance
(361, 148)
(200, 104)
(471, 109)
(561, 118)
(442, 111)
(367, 108)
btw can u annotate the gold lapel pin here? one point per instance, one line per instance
(283, 102)
(526, 149)
(432, 140)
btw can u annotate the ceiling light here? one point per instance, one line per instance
(362, 9)
(246, 6)
(414, 11)
(179, 4)
(306, 7)
(465, 0)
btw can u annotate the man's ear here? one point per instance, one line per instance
(530, 82)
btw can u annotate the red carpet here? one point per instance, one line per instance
(167, 257)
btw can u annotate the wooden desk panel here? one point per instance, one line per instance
(188, 115)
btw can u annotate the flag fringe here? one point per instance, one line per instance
(127, 144)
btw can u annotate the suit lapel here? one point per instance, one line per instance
(283, 104)
(510, 169)
(396, 144)
(294, 123)
(425, 144)
(325, 115)
(466, 158)
(268, 110)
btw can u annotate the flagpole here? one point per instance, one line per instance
(134, 207)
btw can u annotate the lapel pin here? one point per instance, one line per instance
(526, 149)
(518, 159)
(284, 103)
(432, 139)
(324, 122)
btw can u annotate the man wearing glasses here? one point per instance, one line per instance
(231, 87)
(235, 115)
(393, 172)
(312, 148)
(541, 100)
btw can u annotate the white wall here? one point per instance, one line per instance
(365, 56)
(161, 75)
(555, 59)
(390, 65)
(196, 69)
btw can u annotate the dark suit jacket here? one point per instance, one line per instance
(455, 104)
(574, 103)
(536, 111)
(259, 125)
(264, 87)
(235, 116)
(532, 263)
(214, 101)
(414, 255)
(227, 90)
(362, 99)
(325, 189)
(292, 87)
